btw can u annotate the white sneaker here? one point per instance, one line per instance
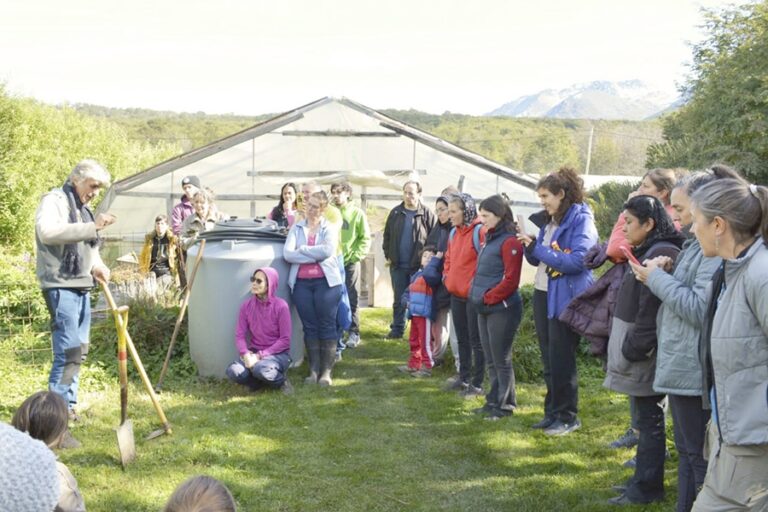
(353, 340)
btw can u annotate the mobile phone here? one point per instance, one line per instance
(631, 257)
(521, 223)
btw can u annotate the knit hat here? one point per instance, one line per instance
(29, 481)
(191, 180)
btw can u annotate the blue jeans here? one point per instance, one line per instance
(70, 312)
(268, 372)
(401, 278)
(317, 305)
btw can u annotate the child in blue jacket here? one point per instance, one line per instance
(421, 308)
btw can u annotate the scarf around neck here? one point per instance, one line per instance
(72, 260)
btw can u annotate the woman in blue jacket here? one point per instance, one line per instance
(316, 285)
(558, 252)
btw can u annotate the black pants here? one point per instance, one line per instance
(471, 359)
(558, 344)
(497, 332)
(648, 482)
(401, 278)
(690, 427)
(352, 280)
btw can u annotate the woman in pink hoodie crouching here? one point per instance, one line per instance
(263, 335)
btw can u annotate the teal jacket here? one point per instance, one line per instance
(355, 234)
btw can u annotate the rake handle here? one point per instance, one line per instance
(182, 311)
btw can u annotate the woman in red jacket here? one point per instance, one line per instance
(464, 243)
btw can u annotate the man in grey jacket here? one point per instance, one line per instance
(68, 262)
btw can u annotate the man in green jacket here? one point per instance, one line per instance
(355, 243)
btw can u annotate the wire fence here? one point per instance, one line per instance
(24, 324)
(25, 328)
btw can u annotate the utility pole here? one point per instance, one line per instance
(589, 149)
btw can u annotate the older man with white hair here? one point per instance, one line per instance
(68, 263)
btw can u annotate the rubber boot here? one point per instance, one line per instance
(327, 359)
(313, 360)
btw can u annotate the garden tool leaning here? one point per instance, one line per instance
(121, 322)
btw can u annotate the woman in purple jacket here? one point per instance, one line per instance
(263, 336)
(567, 233)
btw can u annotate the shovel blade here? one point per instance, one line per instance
(125, 443)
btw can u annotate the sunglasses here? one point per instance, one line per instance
(257, 280)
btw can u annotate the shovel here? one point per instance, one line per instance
(125, 441)
(122, 328)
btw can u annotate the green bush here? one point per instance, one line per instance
(150, 326)
(606, 202)
(525, 351)
(21, 302)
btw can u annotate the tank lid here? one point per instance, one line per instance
(245, 229)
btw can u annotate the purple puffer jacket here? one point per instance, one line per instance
(590, 313)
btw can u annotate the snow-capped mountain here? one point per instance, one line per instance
(630, 99)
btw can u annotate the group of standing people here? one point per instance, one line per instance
(689, 319)
(467, 261)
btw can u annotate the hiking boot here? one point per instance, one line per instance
(454, 384)
(68, 442)
(353, 340)
(628, 440)
(497, 414)
(544, 423)
(393, 335)
(626, 500)
(471, 392)
(407, 369)
(561, 428)
(420, 374)
(485, 409)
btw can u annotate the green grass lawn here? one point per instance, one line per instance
(378, 440)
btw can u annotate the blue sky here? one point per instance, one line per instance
(252, 57)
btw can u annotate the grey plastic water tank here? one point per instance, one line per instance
(234, 249)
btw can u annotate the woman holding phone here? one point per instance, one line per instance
(632, 346)
(558, 252)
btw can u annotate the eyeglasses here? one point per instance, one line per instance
(257, 280)
(311, 206)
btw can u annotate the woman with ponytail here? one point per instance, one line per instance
(499, 307)
(730, 220)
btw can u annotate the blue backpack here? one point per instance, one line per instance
(475, 237)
